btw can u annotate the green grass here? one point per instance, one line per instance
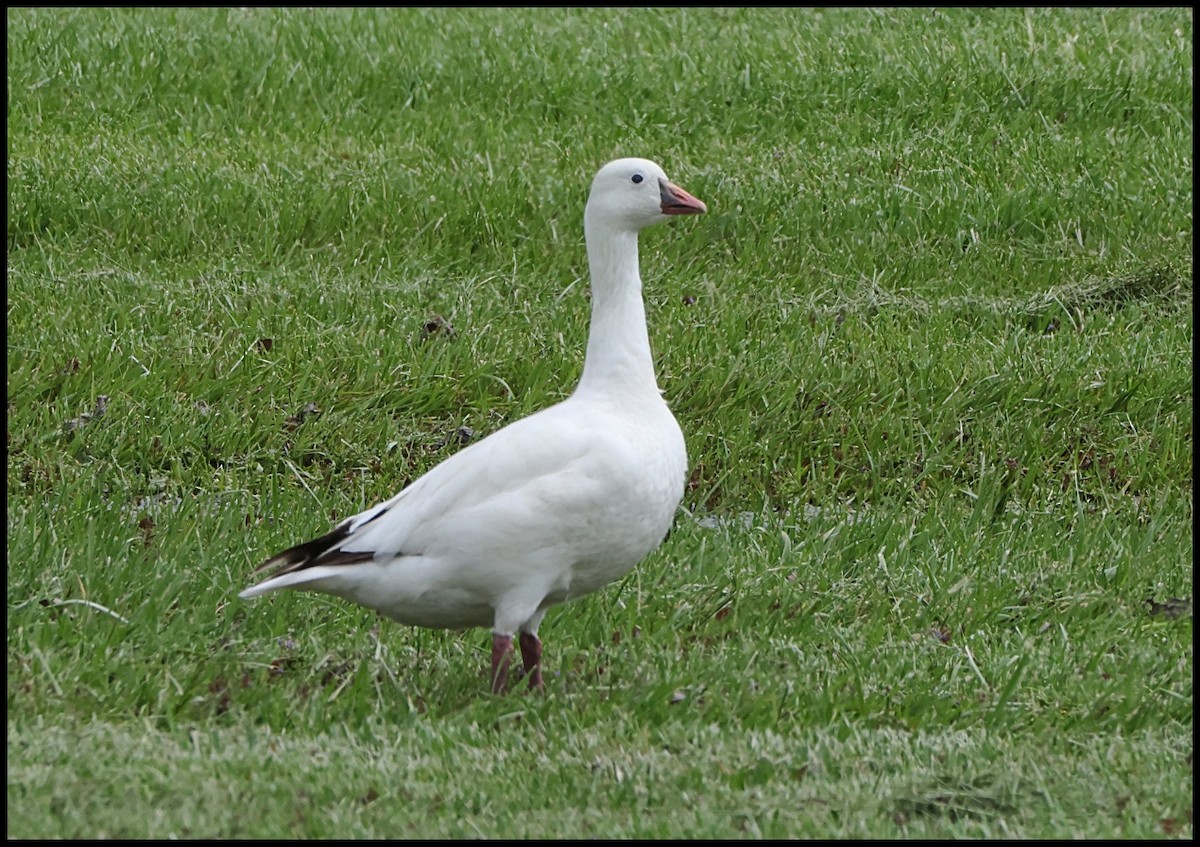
(931, 349)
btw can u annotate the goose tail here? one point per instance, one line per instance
(306, 562)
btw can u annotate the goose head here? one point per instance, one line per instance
(629, 194)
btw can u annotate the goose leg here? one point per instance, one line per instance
(501, 656)
(531, 658)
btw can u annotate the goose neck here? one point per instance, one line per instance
(618, 351)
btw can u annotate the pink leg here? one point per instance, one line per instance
(531, 658)
(501, 649)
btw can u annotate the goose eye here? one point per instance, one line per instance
(637, 178)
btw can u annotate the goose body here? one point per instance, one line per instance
(549, 508)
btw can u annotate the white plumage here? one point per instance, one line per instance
(547, 509)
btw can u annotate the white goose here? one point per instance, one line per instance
(549, 508)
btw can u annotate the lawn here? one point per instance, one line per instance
(931, 349)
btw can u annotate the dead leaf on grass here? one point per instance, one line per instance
(462, 435)
(436, 325)
(1173, 607)
(146, 525)
(306, 411)
(87, 417)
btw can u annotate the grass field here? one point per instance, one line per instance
(931, 348)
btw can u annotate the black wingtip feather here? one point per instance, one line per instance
(319, 551)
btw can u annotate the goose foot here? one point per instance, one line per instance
(501, 657)
(531, 659)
